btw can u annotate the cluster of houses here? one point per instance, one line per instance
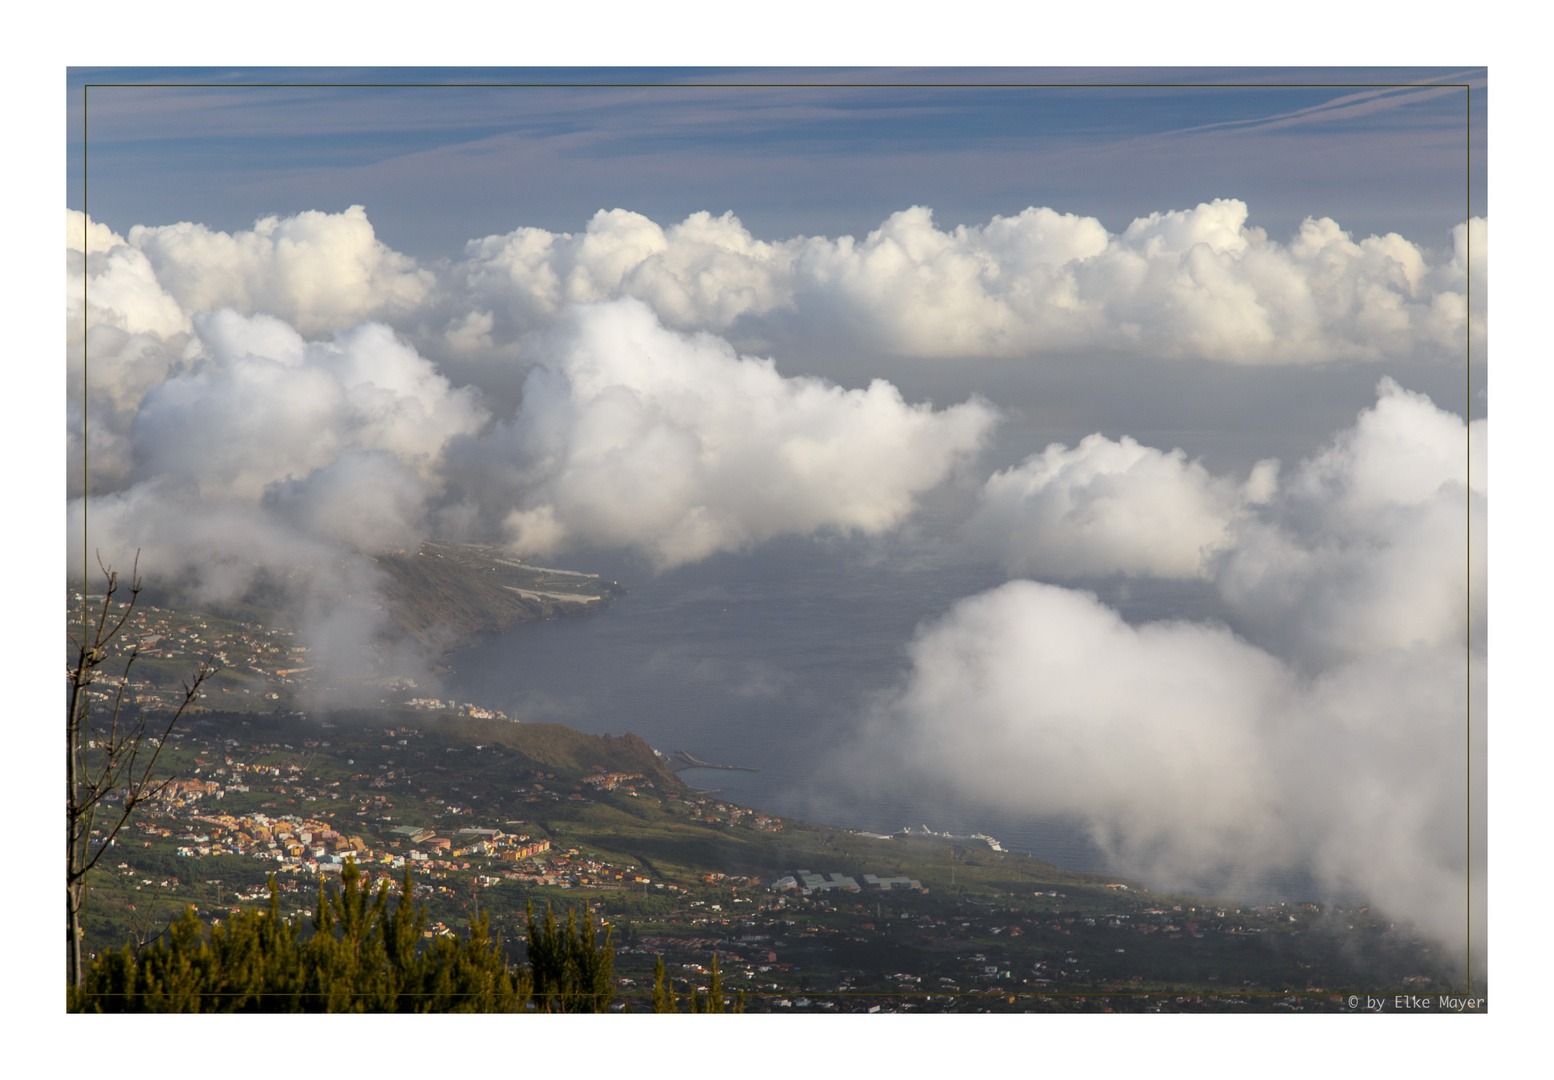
(806, 883)
(307, 840)
(592, 873)
(609, 781)
(469, 842)
(708, 810)
(245, 650)
(187, 790)
(157, 634)
(478, 712)
(314, 844)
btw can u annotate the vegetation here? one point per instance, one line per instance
(571, 971)
(664, 993)
(501, 820)
(469, 588)
(110, 761)
(364, 955)
(556, 746)
(663, 990)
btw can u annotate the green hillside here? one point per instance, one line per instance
(464, 588)
(490, 815)
(569, 818)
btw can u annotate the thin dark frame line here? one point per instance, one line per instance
(1467, 417)
(1468, 283)
(86, 318)
(773, 86)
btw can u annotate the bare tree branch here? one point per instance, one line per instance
(124, 764)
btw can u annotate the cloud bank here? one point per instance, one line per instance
(1323, 729)
(1199, 282)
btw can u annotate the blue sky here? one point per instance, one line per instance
(437, 164)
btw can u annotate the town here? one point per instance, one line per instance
(492, 816)
(487, 815)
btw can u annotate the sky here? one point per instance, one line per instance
(439, 154)
(531, 346)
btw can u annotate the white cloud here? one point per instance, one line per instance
(1106, 508)
(1052, 699)
(1367, 548)
(367, 500)
(702, 273)
(1336, 700)
(318, 271)
(262, 460)
(1363, 548)
(1467, 280)
(1192, 754)
(219, 550)
(118, 370)
(1199, 282)
(124, 293)
(122, 334)
(257, 404)
(257, 460)
(633, 435)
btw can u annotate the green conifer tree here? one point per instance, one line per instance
(663, 990)
(361, 958)
(715, 989)
(593, 963)
(571, 971)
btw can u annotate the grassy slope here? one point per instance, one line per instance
(496, 772)
(469, 588)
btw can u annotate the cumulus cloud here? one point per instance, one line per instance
(702, 273)
(1194, 755)
(1354, 551)
(368, 500)
(1367, 548)
(123, 332)
(633, 435)
(318, 271)
(256, 464)
(257, 405)
(1199, 283)
(1107, 508)
(125, 292)
(1337, 694)
(1469, 272)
